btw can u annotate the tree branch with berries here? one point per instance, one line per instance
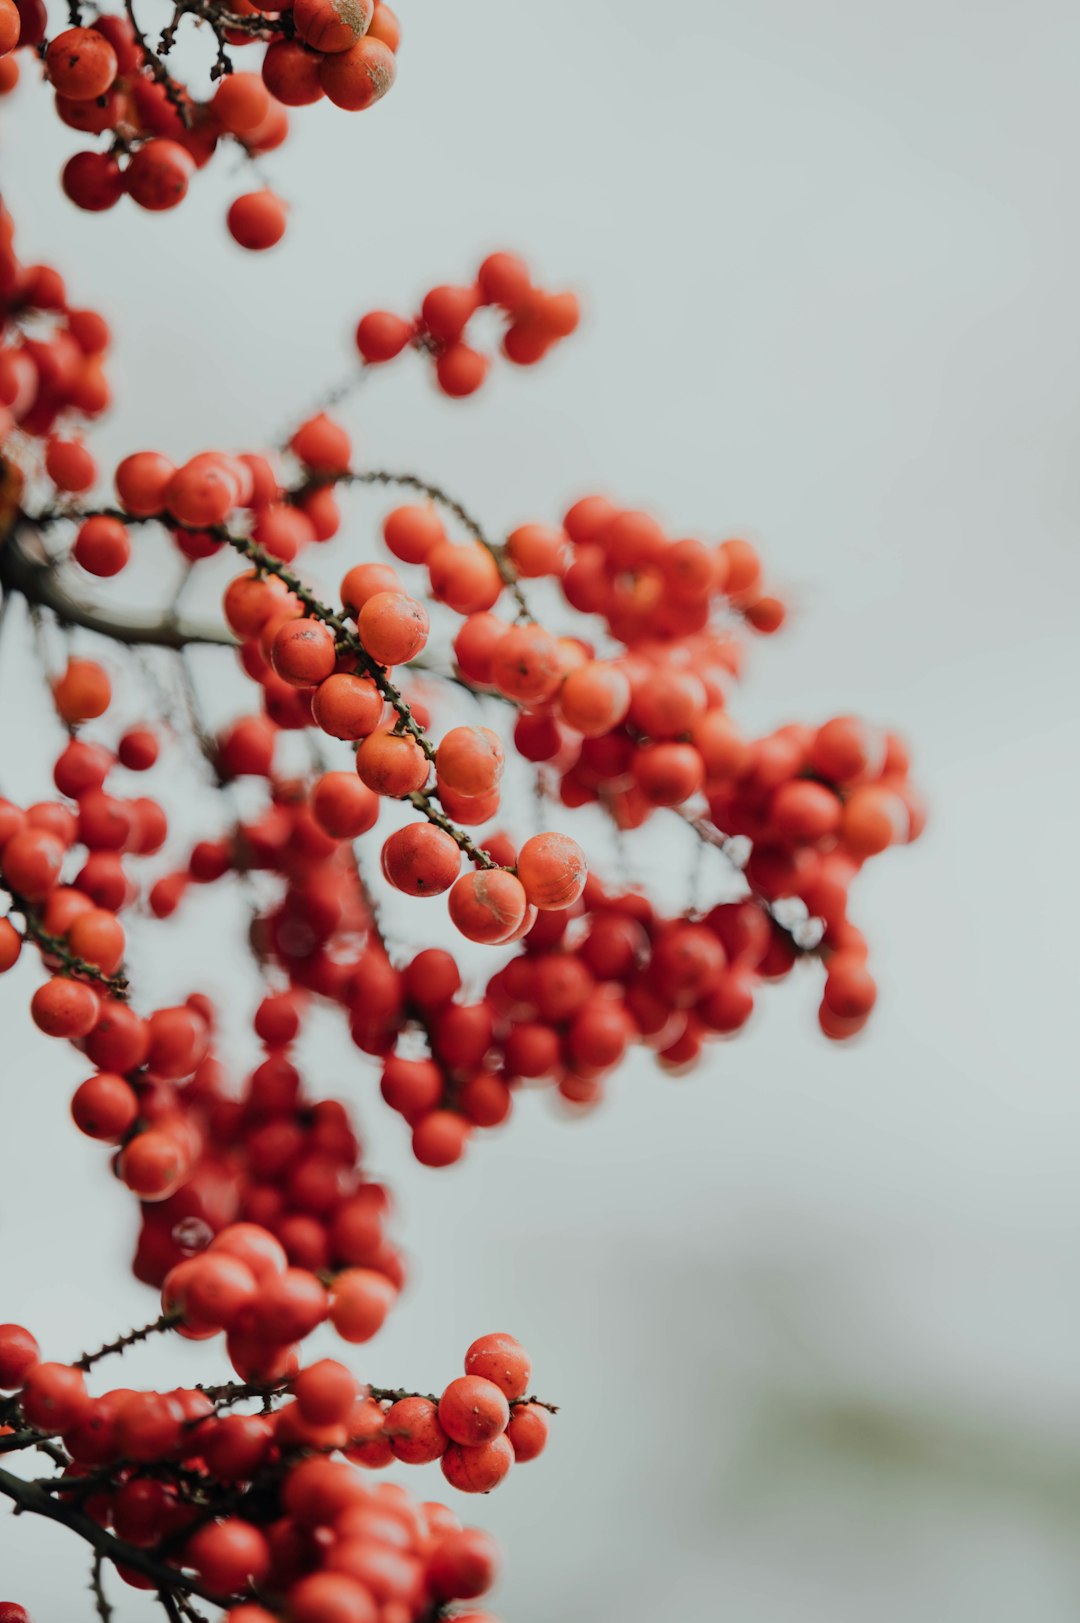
(495, 728)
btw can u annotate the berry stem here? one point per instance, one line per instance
(37, 580)
(424, 487)
(29, 1498)
(394, 1394)
(55, 947)
(164, 1322)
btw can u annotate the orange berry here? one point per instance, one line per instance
(488, 905)
(392, 764)
(552, 870)
(470, 760)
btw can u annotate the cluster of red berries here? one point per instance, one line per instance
(198, 1158)
(108, 80)
(260, 1506)
(51, 360)
(641, 728)
(535, 321)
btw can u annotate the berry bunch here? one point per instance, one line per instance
(108, 80)
(632, 717)
(266, 1510)
(535, 320)
(599, 660)
(52, 357)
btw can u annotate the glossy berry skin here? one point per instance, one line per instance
(502, 1360)
(470, 760)
(552, 871)
(463, 1564)
(257, 220)
(326, 1392)
(332, 25)
(359, 1304)
(19, 1353)
(54, 1396)
(104, 1107)
(421, 860)
(229, 1555)
(528, 1431)
(416, 1435)
(81, 63)
(393, 627)
(158, 175)
(392, 764)
(473, 1410)
(480, 1469)
(303, 652)
(358, 77)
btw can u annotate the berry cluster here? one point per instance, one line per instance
(599, 659)
(108, 80)
(632, 717)
(535, 321)
(198, 1158)
(51, 362)
(265, 1510)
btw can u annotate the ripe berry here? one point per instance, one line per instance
(229, 1555)
(488, 905)
(594, 698)
(141, 482)
(81, 63)
(463, 1564)
(470, 760)
(359, 77)
(64, 1008)
(392, 764)
(477, 1470)
(322, 445)
(325, 1392)
(82, 692)
(380, 336)
(104, 1107)
(157, 176)
(257, 220)
(552, 870)
(501, 1359)
(102, 546)
(393, 627)
(464, 577)
(344, 807)
(525, 664)
(527, 1432)
(54, 1396)
(93, 181)
(303, 652)
(416, 1436)
(347, 706)
(19, 1353)
(332, 25)
(473, 1410)
(359, 1303)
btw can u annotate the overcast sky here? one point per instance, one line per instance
(811, 1313)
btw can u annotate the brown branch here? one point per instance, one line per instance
(394, 1394)
(159, 71)
(37, 580)
(424, 487)
(29, 1498)
(164, 1321)
(55, 947)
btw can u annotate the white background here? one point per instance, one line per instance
(812, 1314)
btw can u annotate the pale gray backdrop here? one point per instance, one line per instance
(813, 1314)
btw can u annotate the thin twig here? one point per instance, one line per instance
(164, 1321)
